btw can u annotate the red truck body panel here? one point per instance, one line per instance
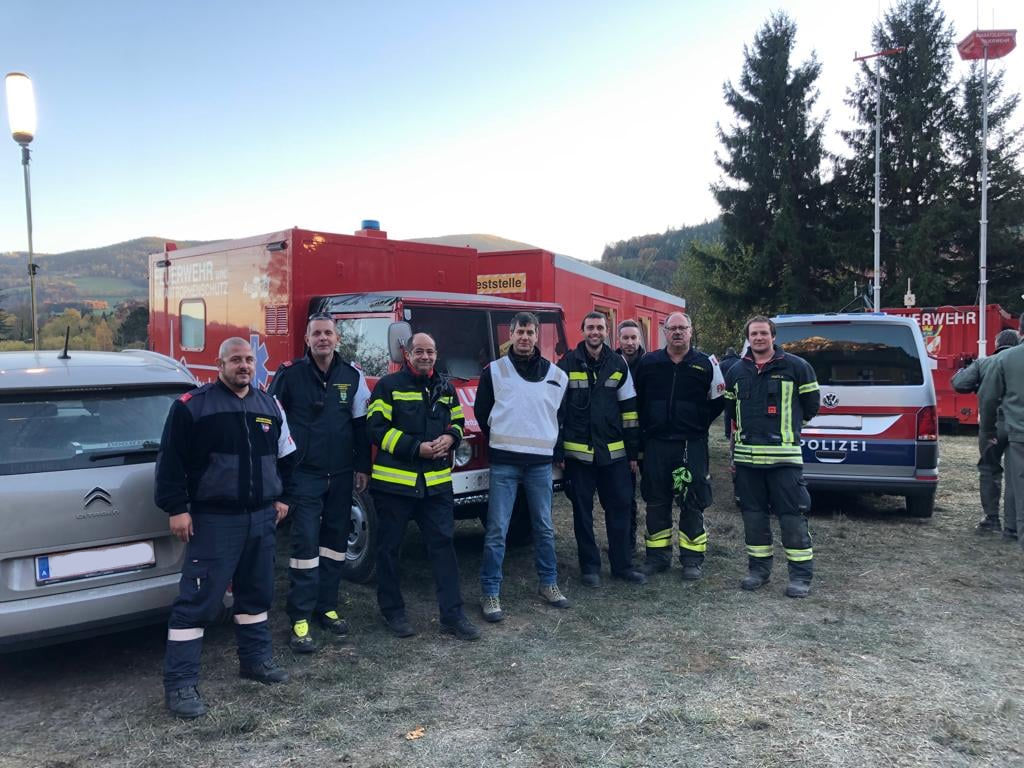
(538, 275)
(951, 338)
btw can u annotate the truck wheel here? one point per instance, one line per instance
(360, 557)
(921, 506)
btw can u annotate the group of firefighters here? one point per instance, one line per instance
(232, 465)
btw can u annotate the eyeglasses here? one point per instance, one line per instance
(674, 328)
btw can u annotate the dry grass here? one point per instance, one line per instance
(908, 653)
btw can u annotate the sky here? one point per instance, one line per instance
(567, 125)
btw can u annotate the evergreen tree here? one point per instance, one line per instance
(918, 108)
(774, 255)
(1005, 238)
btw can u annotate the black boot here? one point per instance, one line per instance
(185, 702)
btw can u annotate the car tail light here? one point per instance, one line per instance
(927, 426)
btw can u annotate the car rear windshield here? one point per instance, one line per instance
(855, 354)
(75, 429)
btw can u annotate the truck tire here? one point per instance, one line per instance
(921, 506)
(360, 556)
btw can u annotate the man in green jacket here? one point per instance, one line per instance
(1003, 386)
(990, 464)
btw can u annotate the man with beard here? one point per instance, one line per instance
(600, 443)
(632, 350)
(517, 406)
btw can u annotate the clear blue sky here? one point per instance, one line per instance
(564, 124)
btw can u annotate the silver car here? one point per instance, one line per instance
(83, 550)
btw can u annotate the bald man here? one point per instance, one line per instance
(415, 420)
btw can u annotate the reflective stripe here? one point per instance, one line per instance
(799, 555)
(697, 544)
(396, 476)
(739, 408)
(250, 618)
(768, 460)
(303, 565)
(390, 441)
(457, 428)
(577, 375)
(659, 539)
(579, 380)
(614, 379)
(617, 449)
(786, 417)
(379, 406)
(457, 412)
(630, 423)
(332, 554)
(728, 394)
(630, 415)
(811, 387)
(526, 442)
(579, 451)
(439, 477)
(184, 635)
(759, 550)
(407, 395)
(446, 399)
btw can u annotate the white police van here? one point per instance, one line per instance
(877, 429)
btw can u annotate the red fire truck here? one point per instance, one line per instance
(538, 275)
(263, 288)
(951, 338)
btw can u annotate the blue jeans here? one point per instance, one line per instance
(505, 480)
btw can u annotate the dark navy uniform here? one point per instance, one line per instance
(407, 409)
(678, 402)
(327, 417)
(768, 404)
(220, 460)
(632, 364)
(600, 435)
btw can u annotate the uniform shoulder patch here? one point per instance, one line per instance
(356, 365)
(185, 397)
(287, 363)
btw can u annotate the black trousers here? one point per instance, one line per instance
(612, 484)
(781, 490)
(435, 517)
(321, 523)
(661, 458)
(236, 549)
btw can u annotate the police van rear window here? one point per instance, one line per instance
(855, 354)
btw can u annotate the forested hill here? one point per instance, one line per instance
(653, 259)
(111, 272)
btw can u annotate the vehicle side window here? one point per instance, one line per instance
(364, 340)
(192, 313)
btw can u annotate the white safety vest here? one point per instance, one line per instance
(525, 414)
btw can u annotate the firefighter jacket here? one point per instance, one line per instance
(326, 415)
(407, 409)
(678, 401)
(223, 452)
(769, 405)
(528, 408)
(1003, 386)
(600, 422)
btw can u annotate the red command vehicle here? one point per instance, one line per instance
(951, 339)
(537, 275)
(264, 288)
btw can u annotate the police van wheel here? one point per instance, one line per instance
(360, 560)
(921, 506)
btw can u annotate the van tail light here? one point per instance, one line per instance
(927, 425)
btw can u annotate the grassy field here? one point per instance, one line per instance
(909, 652)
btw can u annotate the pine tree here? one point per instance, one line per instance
(918, 108)
(1005, 193)
(774, 256)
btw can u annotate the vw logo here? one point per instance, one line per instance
(831, 400)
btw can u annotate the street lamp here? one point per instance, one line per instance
(877, 56)
(21, 115)
(985, 44)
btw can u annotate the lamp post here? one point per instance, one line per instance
(877, 56)
(21, 115)
(985, 44)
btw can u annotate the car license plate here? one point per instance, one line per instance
(67, 566)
